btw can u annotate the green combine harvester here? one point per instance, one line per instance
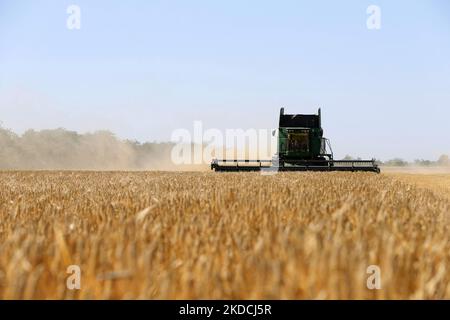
(301, 147)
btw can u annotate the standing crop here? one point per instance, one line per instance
(157, 235)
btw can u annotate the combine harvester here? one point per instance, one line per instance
(301, 147)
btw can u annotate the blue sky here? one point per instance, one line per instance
(145, 68)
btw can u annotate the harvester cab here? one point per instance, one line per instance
(301, 147)
(300, 137)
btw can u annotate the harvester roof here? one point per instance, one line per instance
(299, 120)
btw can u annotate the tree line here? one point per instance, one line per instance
(442, 161)
(64, 149)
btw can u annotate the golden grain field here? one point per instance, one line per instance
(153, 235)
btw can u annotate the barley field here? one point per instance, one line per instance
(204, 235)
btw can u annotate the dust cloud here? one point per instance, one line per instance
(60, 149)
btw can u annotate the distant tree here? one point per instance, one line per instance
(348, 157)
(443, 160)
(422, 162)
(397, 162)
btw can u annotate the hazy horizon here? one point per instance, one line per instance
(103, 150)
